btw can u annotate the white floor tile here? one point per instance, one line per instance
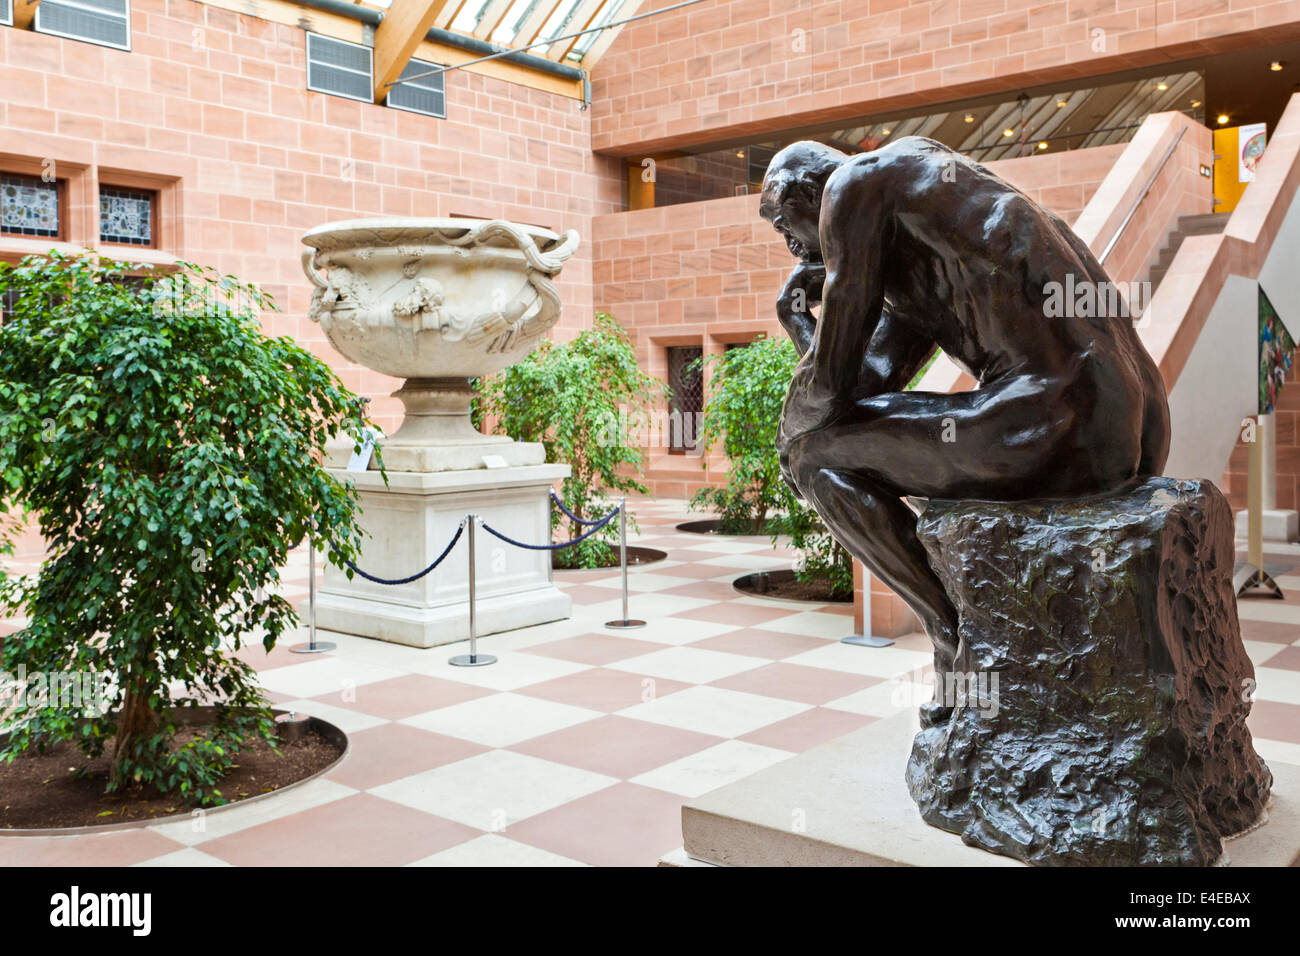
(346, 720)
(812, 624)
(711, 768)
(1277, 684)
(870, 661)
(500, 720)
(493, 850)
(186, 857)
(325, 675)
(493, 790)
(713, 710)
(692, 665)
(206, 826)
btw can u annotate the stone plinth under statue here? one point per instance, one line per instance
(440, 302)
(1106, 685)
(1100, 718)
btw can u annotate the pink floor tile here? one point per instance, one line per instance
(616, 746)
(595, 649)
(761, 643)
(1275, 720)
(588, 593)
(118, 848)
(622, 825)
(603, 690)
(404, 696)
(708, 590)
(392, 751)
(808, 685)
(698, 570)
(735, 613)
(1288, 659)
(1273, 632)
(807, 730)
(360, 830)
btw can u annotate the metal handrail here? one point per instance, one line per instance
(1138, 202)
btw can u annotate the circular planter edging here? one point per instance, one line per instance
(331, 733)
(760, 581)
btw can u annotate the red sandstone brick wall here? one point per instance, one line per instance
(256, 159)
(736, 68)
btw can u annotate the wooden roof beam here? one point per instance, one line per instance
(398, 37)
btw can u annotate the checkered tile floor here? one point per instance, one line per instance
(579, 746)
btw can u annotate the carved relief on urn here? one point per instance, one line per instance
(437, 302)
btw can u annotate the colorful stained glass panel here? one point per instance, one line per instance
(29, 206)
(126, 216)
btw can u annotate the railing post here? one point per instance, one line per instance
(473, 658)
(311, 647)
(625, 623)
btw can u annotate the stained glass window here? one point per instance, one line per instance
(28, 206)
(126, 216)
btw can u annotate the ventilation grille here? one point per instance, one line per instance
(427, 95)
(7, 12)
(340, 68)
(102, 22)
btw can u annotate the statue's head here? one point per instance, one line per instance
(792, 194)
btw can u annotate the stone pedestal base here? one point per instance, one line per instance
(845, 803)
(1101, 689)
(410, 521)
(1280, 524)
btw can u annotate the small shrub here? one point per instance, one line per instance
(574, 397)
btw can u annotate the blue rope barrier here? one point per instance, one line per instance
(414, 577)
(571, 516)
(552, 547)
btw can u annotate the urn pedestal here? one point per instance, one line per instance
(409, 523)
(440, 302)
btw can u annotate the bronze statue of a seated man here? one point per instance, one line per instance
(913, 247)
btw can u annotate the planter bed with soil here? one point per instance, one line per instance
(714, 526)
(635, 556)
(783, 585)
(45, 795)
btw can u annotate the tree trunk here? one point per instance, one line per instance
(136, 720)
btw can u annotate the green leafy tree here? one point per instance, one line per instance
(746, 393)
(577, 398)
(170, 452)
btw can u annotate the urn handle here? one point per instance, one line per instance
(309, 267)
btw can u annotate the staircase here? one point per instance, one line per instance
(1207, 224)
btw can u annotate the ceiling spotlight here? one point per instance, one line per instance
(1162, 86)
(1276, 66)
(1043, 145)
(740, 154)
(1061, 104)
(1195, 103)
(969, 117)
(1008, 132)
(885, 132)
(1223, 119)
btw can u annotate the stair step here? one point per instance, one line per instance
(1203, 223)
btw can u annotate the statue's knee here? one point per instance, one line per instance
(804, 464)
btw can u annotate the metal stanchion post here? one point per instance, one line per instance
(867, 639)
(473, 658)
(625, 622)
(312, 646)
